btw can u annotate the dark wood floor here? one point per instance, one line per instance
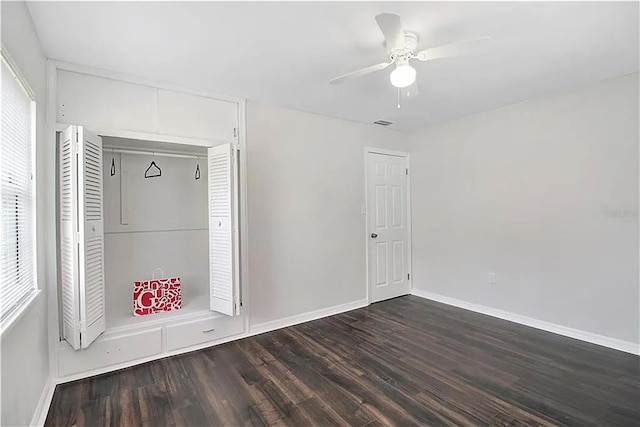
(402, 362)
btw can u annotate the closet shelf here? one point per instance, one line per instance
(176, 230)
(119, 318)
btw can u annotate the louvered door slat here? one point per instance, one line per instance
(92, 304)
(223, 243)
(81, 237)
(69, 256)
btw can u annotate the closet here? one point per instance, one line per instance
(148, 184)
(130, 209)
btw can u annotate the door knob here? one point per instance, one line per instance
(374, 235)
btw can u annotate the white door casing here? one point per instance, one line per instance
(387, 225)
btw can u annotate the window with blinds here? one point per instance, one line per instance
(17, 226)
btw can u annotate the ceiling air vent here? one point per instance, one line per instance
(382, 123)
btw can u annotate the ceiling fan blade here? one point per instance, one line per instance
(391, 28)
(358, 73)
(475, 46)
(410, 92)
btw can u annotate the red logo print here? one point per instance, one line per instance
(156, 295)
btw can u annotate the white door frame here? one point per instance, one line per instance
(407, 157)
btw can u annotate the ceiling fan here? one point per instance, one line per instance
(402, 47)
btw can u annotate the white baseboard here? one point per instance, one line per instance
(602, 340)
(42, 408)
(305, 317)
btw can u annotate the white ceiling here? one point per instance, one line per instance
(285, 53)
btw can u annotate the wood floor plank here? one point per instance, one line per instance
(406, 361)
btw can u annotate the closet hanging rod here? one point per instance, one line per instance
(155, 153)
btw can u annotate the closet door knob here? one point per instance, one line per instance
(374, 235)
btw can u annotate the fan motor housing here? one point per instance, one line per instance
(410, 42)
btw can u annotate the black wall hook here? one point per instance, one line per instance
(113, 166)
(153, 170)
(198, 171)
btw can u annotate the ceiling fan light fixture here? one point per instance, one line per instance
(404, 75)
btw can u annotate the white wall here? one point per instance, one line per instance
(25, 357)
(525, 191)
(306, 232)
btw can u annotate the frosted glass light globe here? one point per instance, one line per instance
(404, 75)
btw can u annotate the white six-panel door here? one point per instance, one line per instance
(387, 231)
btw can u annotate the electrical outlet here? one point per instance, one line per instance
(492, 278)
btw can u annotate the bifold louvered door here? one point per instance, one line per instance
(82, 236)
(223, 230)
(68, 195)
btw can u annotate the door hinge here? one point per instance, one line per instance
(235, 132)
(408, 276)
(407, 169)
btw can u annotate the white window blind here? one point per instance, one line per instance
(17, 250)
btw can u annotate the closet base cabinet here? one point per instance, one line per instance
(194, 332)
(131, 346)
(110, 350)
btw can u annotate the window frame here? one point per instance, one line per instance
(9, 319)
